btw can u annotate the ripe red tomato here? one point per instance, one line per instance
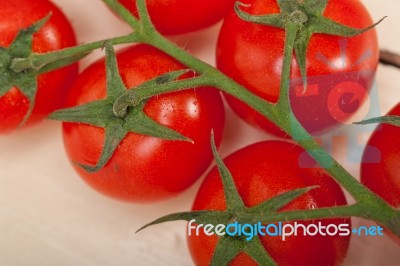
(262, 171)
(181, 16)
(56, 34)
(145, 168)
(340, 70)
(380, 163)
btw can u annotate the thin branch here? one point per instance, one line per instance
(389, 58)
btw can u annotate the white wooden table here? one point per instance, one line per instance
(48, 216)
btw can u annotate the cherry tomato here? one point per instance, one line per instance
(145, 168)
(340, 70)
(380, 171)
(260, 172)
(181, 16)
(56, 34)
(380, 163)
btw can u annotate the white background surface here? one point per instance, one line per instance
(48, 216)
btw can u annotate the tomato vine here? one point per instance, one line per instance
(368, 205)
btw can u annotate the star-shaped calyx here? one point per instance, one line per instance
(25, 79)
(117, 114)
(393, 120)
(301, 19)
(228, 247)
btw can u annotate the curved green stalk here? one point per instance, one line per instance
(369, 205)
(38, 61)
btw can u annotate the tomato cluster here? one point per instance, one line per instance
(147, 168)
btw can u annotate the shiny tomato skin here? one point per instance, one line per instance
(264, 170)
(56, 34)
(340, 70)
(380, 169)
(182, 16)
(144, 168)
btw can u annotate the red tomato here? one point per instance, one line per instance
(340, 70)
(380, 163)
(56, 34)
(145, 168)
(262, 171)
(380, 171)
(181, 16)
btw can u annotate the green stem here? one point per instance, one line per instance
(342, 176)
(37, 61)
(356, 210)
(368, 205)
(289, 124)
(196, 82)
(216, 78)
(290, 39)
(123, 13)
(134, 97)
(310, 214)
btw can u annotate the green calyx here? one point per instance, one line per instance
(368, 206)
(25, 81)
(121, 112)
(132, 98)
(20, 70)
(388, 119)
(301, 18)
(229, 247)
